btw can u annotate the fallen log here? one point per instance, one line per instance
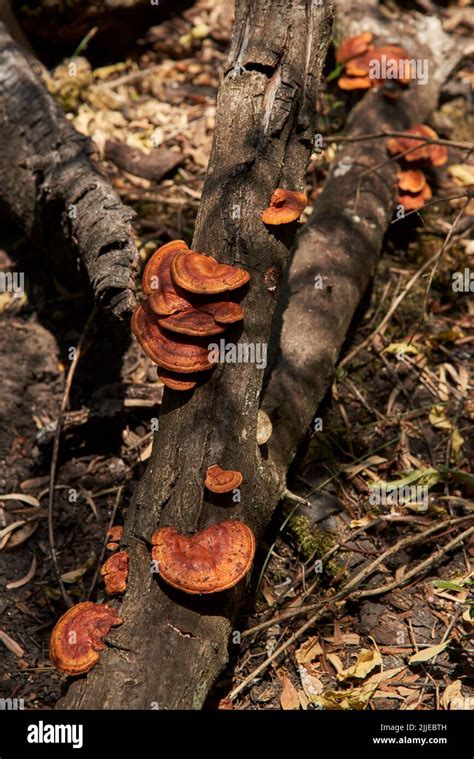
(340, 244)
(54, 191)
(171, 647)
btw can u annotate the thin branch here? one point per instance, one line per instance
(54, 460)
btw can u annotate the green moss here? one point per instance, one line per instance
(312, 542)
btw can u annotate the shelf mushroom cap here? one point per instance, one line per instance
(157, 282)
(412, 180)
(225, 312)
(209, 561)
(76, 640)
(222, 480)
(414, 201)
(361, 65)
(194, 322)
(355, 82)
(115, 532)
(285, 206)
(173, 352)
(437, 155)
(203, 275)
(176, 381)
(353, 46)
(115, 573)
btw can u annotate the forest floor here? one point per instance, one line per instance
(400, 411)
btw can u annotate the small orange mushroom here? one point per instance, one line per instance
(219, 480)
(176, 381)
(202, 274)
(76, 640)
(210, 561)
(437, 155)
(352, 46)
(165, 297)
(285, 206)
(411, 181)
(175, 353)
(415, 201)
(115, 573)
(194, 322)
(224, 312)
(115, 532)
(362, 64)
(355, 83)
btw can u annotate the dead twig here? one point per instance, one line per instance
(54, 459)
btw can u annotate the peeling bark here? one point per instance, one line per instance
(50, 186)
(171, 647)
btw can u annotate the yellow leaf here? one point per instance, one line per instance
(463, 172)
(401, 349)
(336, 662)
(452, 696)
(366, 661)
(428, 653)
(438, 418)
(308, 651)
(353, 699)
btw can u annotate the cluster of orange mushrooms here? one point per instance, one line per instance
(171, 326)
(181, 311)
(414, 190)
(357, 55)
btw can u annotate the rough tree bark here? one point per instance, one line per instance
(52, 188)
(171, 647)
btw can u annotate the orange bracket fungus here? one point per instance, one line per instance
(76, 640)
(353, 46)
(157, 282)
(210, 561)
(411, 181)
(436, 155)
(285, 206)
(114, 535)
(176, 381)
(115, 573)
(222, 480)
(412, 201)
(176, 353)
(368, 66)
(194, 322)
(204, 275)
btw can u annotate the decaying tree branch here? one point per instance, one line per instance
(52, 188)
(170, 647)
